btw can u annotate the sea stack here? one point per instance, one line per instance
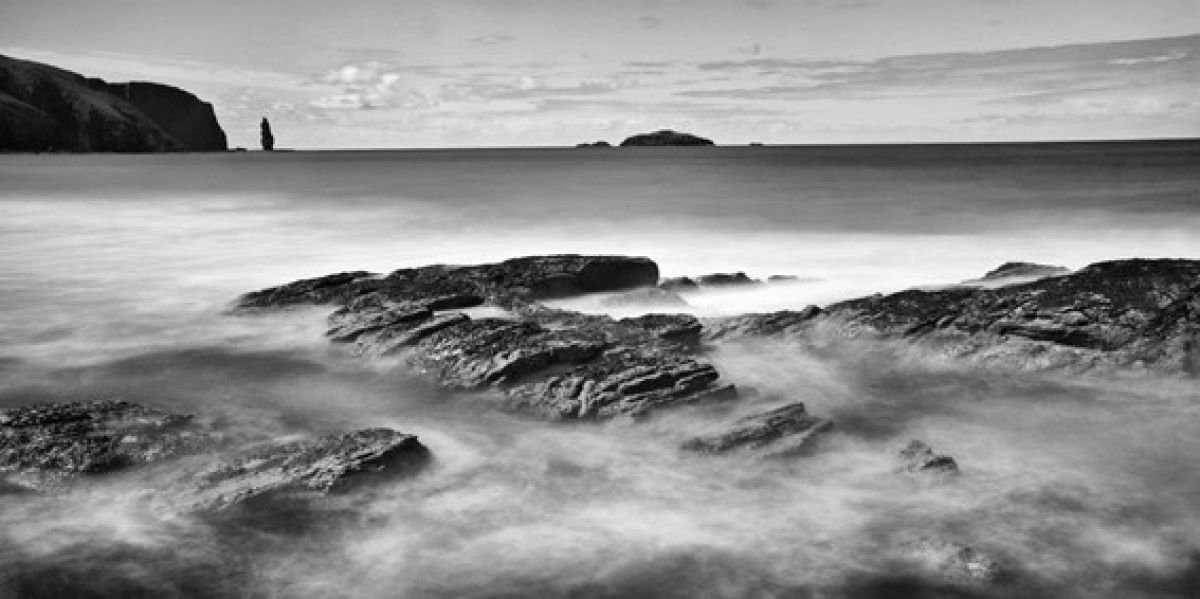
(268, 140)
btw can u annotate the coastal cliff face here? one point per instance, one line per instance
(44, 108)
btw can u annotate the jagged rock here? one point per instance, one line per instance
(918, 457)
(44, 108)
(650, 297)
(298, 469)
(1131, 315)
(556, 363)
(784, 322)
(505, 283)
(781, 432)
(1024, 269)
(44, 446)
(666, 137)
(683, 328)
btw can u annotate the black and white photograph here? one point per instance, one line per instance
(600, 299)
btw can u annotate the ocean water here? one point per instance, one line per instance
(115, 271)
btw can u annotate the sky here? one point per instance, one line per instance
(455, 73)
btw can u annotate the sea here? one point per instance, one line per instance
(117, 272)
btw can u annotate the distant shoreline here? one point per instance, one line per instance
(618, 149)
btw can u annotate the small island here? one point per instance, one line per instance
(666, 137)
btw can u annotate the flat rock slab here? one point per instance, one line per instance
(782, 432)
(44, 446)
(330, 464)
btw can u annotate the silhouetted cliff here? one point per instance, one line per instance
(46, 108)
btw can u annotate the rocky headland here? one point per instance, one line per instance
(44, 108)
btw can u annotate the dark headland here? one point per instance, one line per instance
(45, 108)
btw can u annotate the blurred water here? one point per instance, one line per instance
(114, 271)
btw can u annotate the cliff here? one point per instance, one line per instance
(46, 108)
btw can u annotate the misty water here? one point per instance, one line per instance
(115, 273)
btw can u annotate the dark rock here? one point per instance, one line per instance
(556, 363)
(1133, 315)
(298, 469)
(785, 322)
(954, 561)
(918, 457)
(782, 279)
(679, 284)
(666, 137)
(505, 283)
(1024, 270)
(725, 280)
(267, 138)
(650, 297)
(781, 432)
(44, 446)
(596, 144)
(43, 108)
(684, 328)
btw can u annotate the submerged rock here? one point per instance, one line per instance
(299, 469)
(781, 432)
(954, 561)
(44, 446)
(918, 457)
(646, 297)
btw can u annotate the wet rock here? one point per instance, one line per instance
(677, 284)
(725, 280)
(683, 328)
(298, 470)
(785, 322)
(504, 284)
(954, 561)
(44, 446)
(785, 431)
(648, 297)
(1024, 269)
(918, 457)
(555, 363)
(1128, 315)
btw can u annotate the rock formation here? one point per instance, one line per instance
(268, 139)
(917, 457)
(782, 432)
(666, 137)
(43, 108)
(49, 447)
(1127, 315)
(554, 363)
(596, 144)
